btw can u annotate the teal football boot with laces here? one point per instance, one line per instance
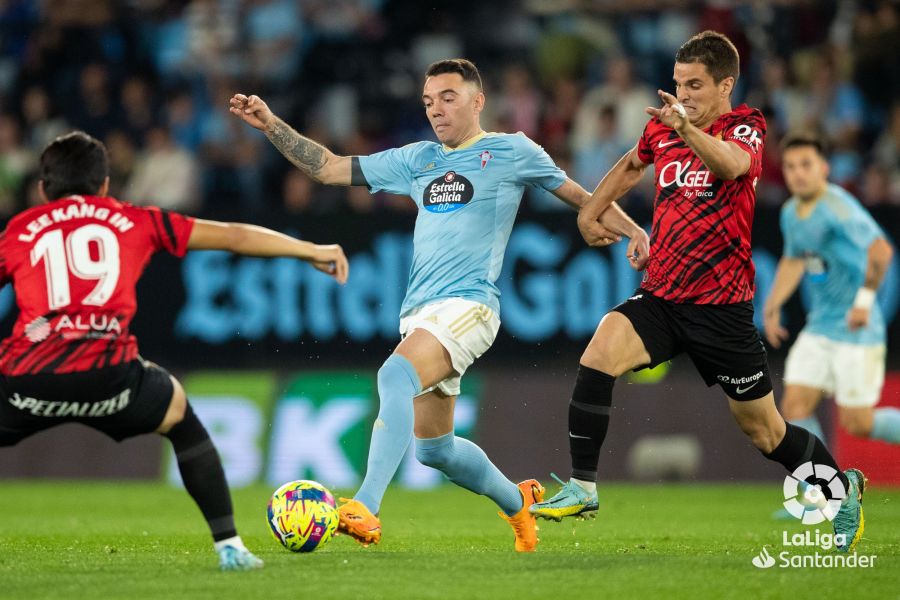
(849, 521)
(571, 501)
(232, 558)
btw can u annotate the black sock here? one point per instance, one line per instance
(800, 446)
(202, 474)
(588, 420)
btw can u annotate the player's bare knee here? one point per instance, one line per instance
(176, 410)
(600, 356)
(857, 429)
(856, 425)
(799, 402)
(431, 428)
(792, 410)
(764, 437)
(599, 362)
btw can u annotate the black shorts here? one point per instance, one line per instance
(721, 339)
(121, 401)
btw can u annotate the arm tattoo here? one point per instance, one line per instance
(307, 155)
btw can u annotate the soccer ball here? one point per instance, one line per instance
(302, 515)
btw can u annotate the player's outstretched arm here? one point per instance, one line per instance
(877, 263)
(787, 277)
(618, 181)
(576, 196)
(724, 159)
(612, 225)
(251, 240)
(312, 158)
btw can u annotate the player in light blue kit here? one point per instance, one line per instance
(831, 239)
(467, 189)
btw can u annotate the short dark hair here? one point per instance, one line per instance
(800, 139)
(714, 50)
(74, 163)
(465, 68)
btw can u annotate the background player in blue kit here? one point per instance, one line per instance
(831, 240)
(467, 188)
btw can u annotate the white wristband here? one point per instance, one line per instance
(865, 298)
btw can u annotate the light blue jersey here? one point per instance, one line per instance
(468, 198)
(834, 239)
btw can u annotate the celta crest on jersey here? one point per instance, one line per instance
(485, 157)
(816, 267)
(451, 191)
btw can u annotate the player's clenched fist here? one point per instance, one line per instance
(594, 233)
(330, 259)
(775, 332)
(857, 318)
(639, 251)
(252, 110)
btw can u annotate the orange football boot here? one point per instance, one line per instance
(358, 522)
(523, 522)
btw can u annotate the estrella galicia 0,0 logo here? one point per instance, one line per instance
(447, 193)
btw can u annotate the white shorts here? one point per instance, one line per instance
(465, 328)
(852, 373)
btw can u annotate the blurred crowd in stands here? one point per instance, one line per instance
(152, 78)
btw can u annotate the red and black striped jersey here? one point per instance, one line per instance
(74, 264)
(700, 239)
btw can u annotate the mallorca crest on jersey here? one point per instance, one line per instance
(451, 191)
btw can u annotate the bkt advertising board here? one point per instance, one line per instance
(312, 425)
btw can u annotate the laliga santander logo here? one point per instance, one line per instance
(804, 497)
(813, 493)
(764, 560)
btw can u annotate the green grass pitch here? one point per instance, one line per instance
(76, 540)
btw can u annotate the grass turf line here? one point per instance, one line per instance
(77, 540)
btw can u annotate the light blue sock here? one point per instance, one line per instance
(466, 465)
(886, 425)
(812, 425)
(398, 384)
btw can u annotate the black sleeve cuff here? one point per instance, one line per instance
(356, 173)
